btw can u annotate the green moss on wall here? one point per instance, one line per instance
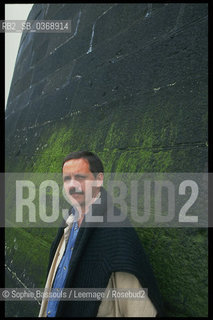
(29, 254)
(179, 258)
(58, 144)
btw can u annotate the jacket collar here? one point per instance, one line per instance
(85, 232)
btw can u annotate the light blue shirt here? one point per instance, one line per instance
(62, 270)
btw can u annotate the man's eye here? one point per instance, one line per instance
(66, 178)
(80, 177)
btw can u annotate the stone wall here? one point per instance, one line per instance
(129, 83)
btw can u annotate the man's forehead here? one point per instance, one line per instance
(76, 166)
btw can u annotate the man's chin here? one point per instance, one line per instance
(76, 200)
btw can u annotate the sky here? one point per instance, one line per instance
(12, 40)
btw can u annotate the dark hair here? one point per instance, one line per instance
(95, 163)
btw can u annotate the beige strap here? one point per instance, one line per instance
(126, 307)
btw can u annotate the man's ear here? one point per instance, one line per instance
(100, 179)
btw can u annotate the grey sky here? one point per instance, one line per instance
(12, 40)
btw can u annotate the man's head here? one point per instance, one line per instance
(83, 173)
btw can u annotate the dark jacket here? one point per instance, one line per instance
(98, 252)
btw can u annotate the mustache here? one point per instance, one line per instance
(74, 191)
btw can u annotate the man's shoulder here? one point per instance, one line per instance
(120, 238)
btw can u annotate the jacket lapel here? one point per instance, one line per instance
(56, 241)
(84, 234)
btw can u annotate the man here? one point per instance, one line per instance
(87, 255)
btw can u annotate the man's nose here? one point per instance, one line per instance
(74, 184)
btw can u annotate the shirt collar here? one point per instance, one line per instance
(73, 218)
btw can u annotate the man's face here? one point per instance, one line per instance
(78, 179)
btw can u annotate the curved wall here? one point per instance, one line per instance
(129, 83)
